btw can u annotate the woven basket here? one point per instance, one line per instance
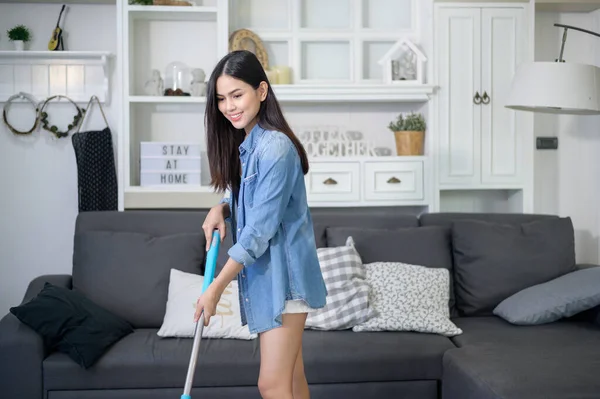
(171, 3)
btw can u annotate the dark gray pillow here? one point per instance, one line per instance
(562, 297)
(128, 273)
(423, 246)
(493, 261)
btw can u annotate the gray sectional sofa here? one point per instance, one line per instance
(492, 358)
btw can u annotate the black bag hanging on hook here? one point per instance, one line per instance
(96, 169)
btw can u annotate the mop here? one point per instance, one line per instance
(209, 274)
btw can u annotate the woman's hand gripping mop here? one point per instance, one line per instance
(209, 274)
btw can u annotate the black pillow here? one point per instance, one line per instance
(72, 324)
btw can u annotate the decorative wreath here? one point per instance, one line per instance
(53, 129)
(244, 39)
(22, 96)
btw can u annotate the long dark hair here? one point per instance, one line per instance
(223, 139)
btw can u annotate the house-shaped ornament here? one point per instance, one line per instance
(403, 63)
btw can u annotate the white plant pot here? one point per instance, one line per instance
(19, 45)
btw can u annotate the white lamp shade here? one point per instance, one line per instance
(556, 88)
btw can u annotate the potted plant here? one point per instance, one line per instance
(409, 132)
(19, 35)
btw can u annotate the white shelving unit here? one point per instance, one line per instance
(332, 50)
(76, 74)
(156, 37)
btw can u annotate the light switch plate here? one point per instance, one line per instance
(546, 143)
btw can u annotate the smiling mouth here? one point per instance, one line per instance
(235, 117)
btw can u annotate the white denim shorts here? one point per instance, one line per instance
(297, 306)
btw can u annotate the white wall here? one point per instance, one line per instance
(567, 180)
(38, 204)
(38, 174)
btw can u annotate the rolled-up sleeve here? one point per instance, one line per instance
(278, 166)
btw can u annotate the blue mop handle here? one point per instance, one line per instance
(211, 260)
(209, 275)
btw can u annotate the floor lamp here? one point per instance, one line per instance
(557, 87)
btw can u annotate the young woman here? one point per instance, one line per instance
(258, 162)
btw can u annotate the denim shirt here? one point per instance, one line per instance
(273, 236)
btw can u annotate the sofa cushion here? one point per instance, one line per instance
(347, 290)
(493, 261)
(425, 246)
(184, 289)
(494, 331)
(408, 298)
(127, 273)
(72, 324)
(562, 297)
(144, 360)
(521, 373)
(347, 356)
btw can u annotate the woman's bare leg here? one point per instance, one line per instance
(299, 384)
(279, 349)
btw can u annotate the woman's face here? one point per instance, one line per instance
(239, 102)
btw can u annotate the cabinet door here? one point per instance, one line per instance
(504, 46)
(458, 44)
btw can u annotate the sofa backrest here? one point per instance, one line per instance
(122, 260)
(496, 255)
(445, 219)
(368, 217)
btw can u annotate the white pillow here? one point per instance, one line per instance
(184, 290)
(408, 298)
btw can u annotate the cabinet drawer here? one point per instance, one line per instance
(394, 180)
(339, 182)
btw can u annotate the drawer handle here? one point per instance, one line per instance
(330, 181)
(394, 180)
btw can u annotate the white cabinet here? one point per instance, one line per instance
(481, 143)
(384, 181)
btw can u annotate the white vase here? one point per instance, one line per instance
(19, 45)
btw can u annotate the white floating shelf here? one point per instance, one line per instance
(191, 188)
(76, 74)
(320, 93)
(353, 93)
(173, 13)
(167, 99)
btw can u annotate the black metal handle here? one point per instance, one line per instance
(486, 99)
(477, 98)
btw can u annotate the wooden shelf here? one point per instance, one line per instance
(173, 13)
